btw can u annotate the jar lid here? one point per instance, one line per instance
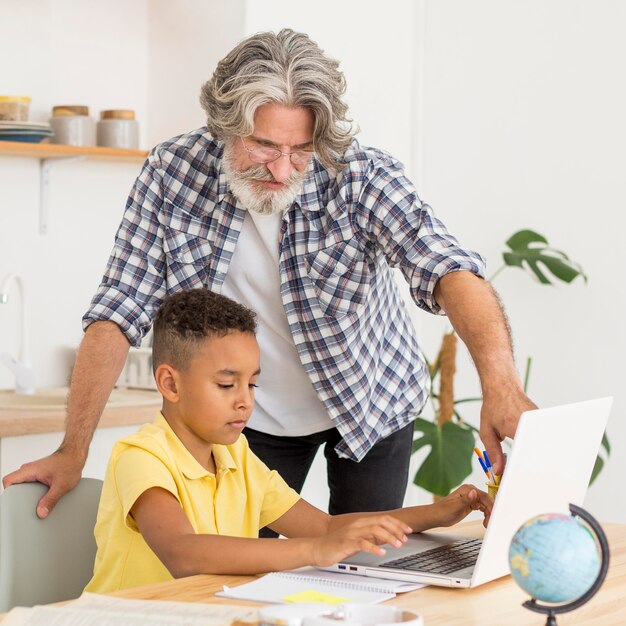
(15, 99)
(70, 109)
(117, 114)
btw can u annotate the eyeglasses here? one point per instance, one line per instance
(265, 154)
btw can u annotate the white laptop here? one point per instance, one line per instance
(548, 467)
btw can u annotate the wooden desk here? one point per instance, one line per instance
(495, 604)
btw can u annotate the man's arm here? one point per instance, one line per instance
(99, 361)
(476, 315)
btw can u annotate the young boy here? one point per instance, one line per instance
(185, 495)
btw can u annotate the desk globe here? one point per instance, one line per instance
(559, 559)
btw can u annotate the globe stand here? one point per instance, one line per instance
(553, 611)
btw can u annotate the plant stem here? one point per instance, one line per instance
(529, 360)
(468, 400)
(447, 359)
(496, 273)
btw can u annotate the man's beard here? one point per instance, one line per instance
(255, 197)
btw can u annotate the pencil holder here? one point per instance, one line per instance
(492, 490)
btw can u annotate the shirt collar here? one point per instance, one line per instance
(188, 465)
(314, 187)
(222, 184)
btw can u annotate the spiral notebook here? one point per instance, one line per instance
(310, 585)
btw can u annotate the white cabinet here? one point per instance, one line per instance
(14, 451)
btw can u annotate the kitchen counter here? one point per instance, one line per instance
(141, 408)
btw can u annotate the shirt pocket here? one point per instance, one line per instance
(340, 275)
(187, 257)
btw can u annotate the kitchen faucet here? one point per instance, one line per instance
(21, 367)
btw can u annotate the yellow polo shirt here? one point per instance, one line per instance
(239, 499)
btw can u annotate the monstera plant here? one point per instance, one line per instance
(450, 438)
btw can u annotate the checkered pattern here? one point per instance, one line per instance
(339, 241)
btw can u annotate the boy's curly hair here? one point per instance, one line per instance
(188, 317)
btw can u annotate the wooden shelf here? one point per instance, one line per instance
(58, 151)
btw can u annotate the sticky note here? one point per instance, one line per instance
(313, 596)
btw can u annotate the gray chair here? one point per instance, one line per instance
(46, 560)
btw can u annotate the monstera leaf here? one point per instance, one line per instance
(599, 464)
(531, 252)
(449, 461)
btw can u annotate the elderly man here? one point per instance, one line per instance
(275, 204)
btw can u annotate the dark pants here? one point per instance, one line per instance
(377, 483)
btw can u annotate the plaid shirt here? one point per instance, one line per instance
(338, 243)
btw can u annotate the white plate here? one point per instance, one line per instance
(5, 124)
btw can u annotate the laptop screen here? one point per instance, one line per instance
(549, 467)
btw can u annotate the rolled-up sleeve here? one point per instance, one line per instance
(412, 239)
(133, 285)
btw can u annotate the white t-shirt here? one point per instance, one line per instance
(285, 402)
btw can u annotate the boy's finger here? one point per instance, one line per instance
(484, 504)
(394, 532)
(368, 546)
(381, 535)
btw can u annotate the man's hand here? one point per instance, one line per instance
(61, 471)
(363, 534)
(478, 317)
(460, 503)
(499, 416)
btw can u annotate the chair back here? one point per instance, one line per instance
(46, 560)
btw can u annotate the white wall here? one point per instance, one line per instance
(507, 115)
(187, 39)
(148, 56)
(524, 126)
(65, 52)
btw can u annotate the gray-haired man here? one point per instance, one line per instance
(276, 205)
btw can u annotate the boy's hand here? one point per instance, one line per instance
(460, 503)
(365, 534)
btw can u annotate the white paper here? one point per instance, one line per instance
(96, 610)
(276, 586)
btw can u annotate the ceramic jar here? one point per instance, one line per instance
(73, 126)
(118, 128)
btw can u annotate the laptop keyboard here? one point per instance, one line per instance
(442, 560)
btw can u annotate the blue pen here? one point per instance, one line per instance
(484, 465)
(487, 461)
(489, 467)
